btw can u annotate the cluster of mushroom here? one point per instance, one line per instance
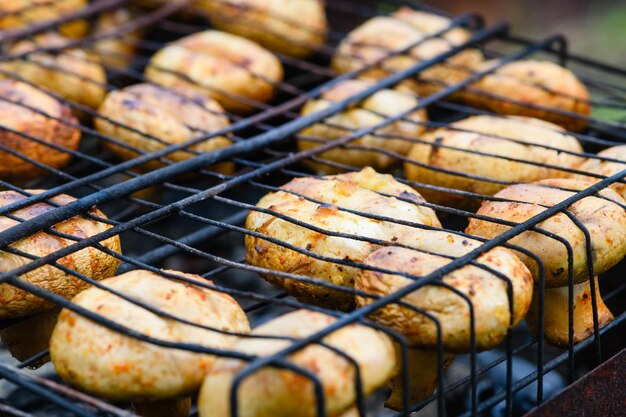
(154, 339)
(194, 81)
(360, 236)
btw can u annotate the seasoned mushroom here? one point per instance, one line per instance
(603, 217)
(459, 150)
(362, 191)
(89, 261)
(160, 117)
(520, 86)
(487, 292)
(556, 313)
(607, 168)
(372, 111)
(36, 115)
(74, 74)
(117, 51)
(118, 367)
(382, 36)
(16, 14)
(294, 28)
(278, 392)
(235, 71)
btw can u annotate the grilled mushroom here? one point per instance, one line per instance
(294, 28)
(19, 13)
(74, 74)
(395, 138)
(29, 116)
(279, 392)
(487, 291)
(365, 191)
(602, 216)
(532, 88)
(237, 72)
(605, 221)
(118, 367)
(450, 153)
(607, 168)
(556, 313)
(383, 36)
(89, 261)
(160, 117)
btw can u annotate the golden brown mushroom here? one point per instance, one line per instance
(520, 138)
(607, 168)
(371, 112)
(163, 117)
(357, 191)
(381, 36)
(49, 121)
(89, 261)
(487, 292)
(15, 14)
(556, 313)
(74, 74)
(605, 221)
(294, 28)
(283, 393)
(112, 365)
(520, 85)
(235, 71)
(603, 217)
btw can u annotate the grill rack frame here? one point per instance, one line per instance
(293, 127)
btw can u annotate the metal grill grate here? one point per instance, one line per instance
(209, 208)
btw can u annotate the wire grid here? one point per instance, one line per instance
(260, 148)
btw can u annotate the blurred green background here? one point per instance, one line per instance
(596, 28)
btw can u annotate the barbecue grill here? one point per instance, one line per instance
(184, 216)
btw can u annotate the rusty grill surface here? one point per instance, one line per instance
(195, 223)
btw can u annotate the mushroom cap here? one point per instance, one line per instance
(74, 74)
(89, 261)
(279, 392)
(121, 368)
(368, 113)
(157, 112)
(290, 27)
(487, 292)
(380, 36)
(494, 135)
(231, 69)
(430, 23)
(606, 168)
(356, 191)
(540, 83)
(604, 218)
(19, 13)
(49, 121)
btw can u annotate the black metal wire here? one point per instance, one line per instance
(253, 176)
